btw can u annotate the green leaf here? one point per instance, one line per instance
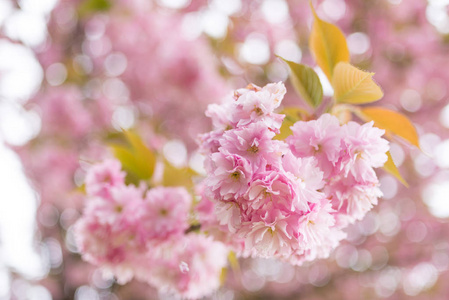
(306, 83)
(93, 6)
(141, 150)
(137, 160)
(174, 176)
(355, 86)
(391, 168)
(129, 164)
(392, 122)
(292, 115)
(223, 275)
(327, 44)
(234, 262)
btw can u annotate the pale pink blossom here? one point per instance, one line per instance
(210, 142)
(100, 178)
(264, 239)
(351, 199)
(117, 251)
(219, 221)
(272, 186)
(205, 208)
(120, 208)
(365, 149)
(253, 142)
(165, 212)
(232, 173)
(112, 245)
(258, 104)
(315, 224)
(288, 199)
(307, 178)
(229, 214)
(189, 266)
(120, 229)
(220, 115)
(320, 138)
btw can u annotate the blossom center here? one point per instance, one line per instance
(253, 149)
(258, 111)
(119, 208)
(107, 178)
(235, 175)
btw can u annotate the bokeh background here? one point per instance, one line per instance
(74, 72)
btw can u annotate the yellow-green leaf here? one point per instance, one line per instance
(391, 168)
(92, 6)
(223, 275)
(328, 45)
(137, 160)
(292, 115)
(144, 156)
(355, 86)
(174, 176)
(392, 122)
(129, 164)
(306, 83)
(234, 262)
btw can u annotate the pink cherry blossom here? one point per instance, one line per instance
(258, 104)
(352, 199)
(107, 233)
(315, 225)
(364, 150)
(101, 177)
(272, 186)
(189, 266)
(272, 237)
(320, 138)
(307, 177)
(165, 212)
(253, 142)
(232, 173)
(229, 214)
(288, 199)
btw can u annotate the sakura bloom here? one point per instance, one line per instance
(262, 197)
(288, 199)
(130, 233)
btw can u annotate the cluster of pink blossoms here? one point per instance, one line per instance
(288, 199)
(130, 233)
